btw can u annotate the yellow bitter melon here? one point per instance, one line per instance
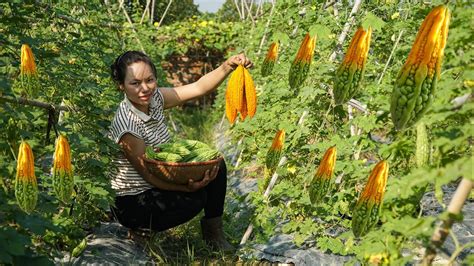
(62, 174)
(26, 186)
(240, 95)
(367, 209)
(416, 83)
(422, 153)
(350, 73)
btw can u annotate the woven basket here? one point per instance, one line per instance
(180, 173)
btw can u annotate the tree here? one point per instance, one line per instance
(178, 10)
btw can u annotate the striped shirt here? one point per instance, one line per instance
(150, 128)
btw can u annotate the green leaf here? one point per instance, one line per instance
(36, 224)
(334, 245)
(12, 243)
(36, 260)
(281, 37)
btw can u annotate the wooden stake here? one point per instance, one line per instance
(152, 16)
(249, 230)
(454, 208)
(238, 9)
(390, 57)
(145, 10)
(133, 28)
(25, 101)
(345, 30)
(164, 13)
(272, 183)
(266, 29)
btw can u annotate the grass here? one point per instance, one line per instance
(184, 245)
(191, 123)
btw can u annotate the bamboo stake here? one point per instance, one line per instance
(175, 128)
(152, 17)
(302, 117)
(349, 111)
(133, 28)
(266, 29)
(120, 5)
(222, 121)
(358, 105)
(259, 8)
(249, 13)
(328, 4)
(237, 163)
(282, 161)
(238, 9)
(390, 57)
(249, 230)
(236, 155)
(455, 207)
(145, 10)
(107, 3)
(345, 30)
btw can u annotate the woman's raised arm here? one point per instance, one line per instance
(207, 83)
(134, 150)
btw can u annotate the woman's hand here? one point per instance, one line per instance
(208, 177)
(232, 62)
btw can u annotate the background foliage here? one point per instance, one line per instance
(288, 210)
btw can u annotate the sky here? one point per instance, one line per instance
(209, 5)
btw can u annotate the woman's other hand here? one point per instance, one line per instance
(209, 175)
(206, 84)
(237, 60)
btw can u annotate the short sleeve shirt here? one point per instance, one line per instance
(151, 128)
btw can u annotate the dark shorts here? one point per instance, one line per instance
(158, 209)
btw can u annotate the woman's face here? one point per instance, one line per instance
(139, 85)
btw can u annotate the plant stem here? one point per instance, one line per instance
(282, 161)
(164, 13)
(390, 57)
(249, 230)
(133, 28)
(458, 251)
(454, 207)
(145, 11)
(266, 30)
(345, 30)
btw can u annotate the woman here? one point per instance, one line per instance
(143, 200)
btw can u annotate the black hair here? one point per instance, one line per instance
(119, 68)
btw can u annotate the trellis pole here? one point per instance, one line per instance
(454, 209)
(272, 183)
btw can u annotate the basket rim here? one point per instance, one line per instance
(147, 160)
